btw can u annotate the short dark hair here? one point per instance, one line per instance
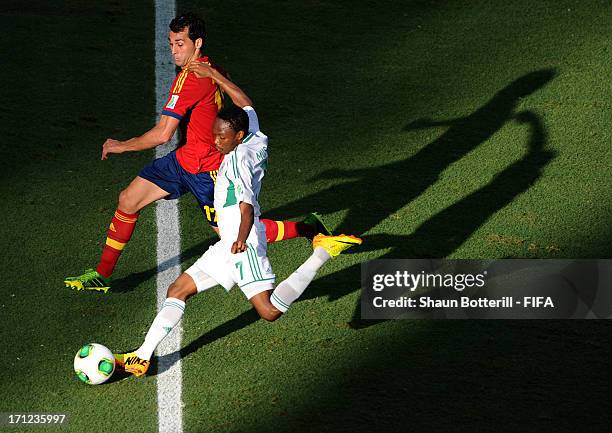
(194, 23)
(236, 117)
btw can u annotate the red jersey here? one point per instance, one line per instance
(199, 99)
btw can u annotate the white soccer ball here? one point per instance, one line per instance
(94, 363)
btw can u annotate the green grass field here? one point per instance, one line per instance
(433, 129)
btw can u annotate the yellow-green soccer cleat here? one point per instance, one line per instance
(315, 220)
(90, 280)
(334, 245)
(131, 363)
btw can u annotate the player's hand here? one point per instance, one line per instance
(200, 69)
(111, 146)
(239, 247)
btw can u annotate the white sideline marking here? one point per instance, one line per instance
(169, 383)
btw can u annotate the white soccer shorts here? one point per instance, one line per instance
(250, 270)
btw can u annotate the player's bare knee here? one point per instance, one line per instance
(263, 306)
(268, 317)
(173, 291)
(268, 314)
(127, 201)
(178, 291)
(183, 288)
(273, 316)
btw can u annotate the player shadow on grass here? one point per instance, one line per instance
(387, 189)
(373, 194)
(446, 231)
(439, 236)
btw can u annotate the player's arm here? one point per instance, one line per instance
(203, 70)
(246, 198)
(159, 134)
(246, 223)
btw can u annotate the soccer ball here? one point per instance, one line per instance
(94, 363)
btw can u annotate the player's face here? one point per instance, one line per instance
(226, 139)
(183, 49)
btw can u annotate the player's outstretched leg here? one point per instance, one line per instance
(119, 233)
(137, 362)
(271, 307)
(171, 313)
(136, 196)
(282, 230)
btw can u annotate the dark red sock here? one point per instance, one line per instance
(119, 233)
(282, 230)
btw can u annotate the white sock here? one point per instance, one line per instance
(167, 318)
(293, 287)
